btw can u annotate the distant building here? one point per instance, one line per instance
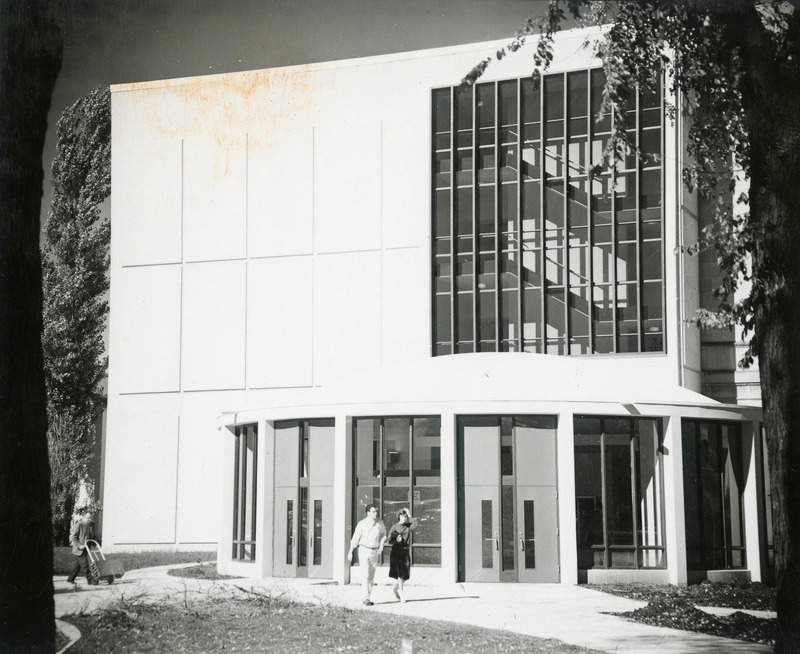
(353, 282)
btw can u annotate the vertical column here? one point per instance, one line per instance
(224, 544)
(751, 462)
(449, 499)
(565, 449)
(675, 526)
(342, 497)
(265, 493)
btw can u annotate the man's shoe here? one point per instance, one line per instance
(367, 602)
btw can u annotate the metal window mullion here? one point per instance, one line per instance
(243, 486)
(540, 229)
(498, 291)
(662, 209)
(603, 489)
(411, 480)
(638, 209)
(520, 185)
(634, 486)
(236, 472)
(662, 502)
(253, 510)
(589, 214)
(564, 118)
(453, 241)
(613, 298)
(475, 256)
(380, 465)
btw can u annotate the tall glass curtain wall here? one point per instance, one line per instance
(244, 493)
(619, 493)
(713, 478)
(534, 250)
(398, 465)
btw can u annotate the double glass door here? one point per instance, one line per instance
(508, 510)
(303, 499)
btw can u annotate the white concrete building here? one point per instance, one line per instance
(352, 282)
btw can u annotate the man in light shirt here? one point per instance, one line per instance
(369, 537)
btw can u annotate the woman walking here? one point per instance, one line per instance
(400, 559)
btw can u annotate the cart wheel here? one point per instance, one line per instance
(110, 579)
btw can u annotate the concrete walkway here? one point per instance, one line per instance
(572, 614)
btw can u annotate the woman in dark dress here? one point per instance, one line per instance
(400, 560)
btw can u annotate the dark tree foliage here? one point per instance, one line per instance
(30, 59)
(734, 65)
(75, 261)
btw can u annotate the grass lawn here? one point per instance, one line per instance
(269, 624)
(63, 558)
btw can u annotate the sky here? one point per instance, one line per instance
(118, 41)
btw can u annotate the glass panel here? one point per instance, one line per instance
(395, 497)
(506, 447)
(442, 169)
(317, 532)
(509, 543)
(463, 113)
(427, 509)
(396, 447)
(465, 267)
(651, 260)
(508, 207)
(289, 532)
(464, 325)
(464, 211)
(486, 316)
(619, 515)
(507, 92)
(441, 200)
(531, 213)
(368, 451)
(529, 534)
(487, 542)
(589, 494)
(509, 315)
(598, 82)
(442, 312)
(303, 452)
(426, 555)
(485, 104)
(649, 515)
(302, 545)
(441, 110)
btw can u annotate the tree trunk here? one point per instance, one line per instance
(30, 47)
(773, 107)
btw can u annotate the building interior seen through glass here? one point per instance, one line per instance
(619, 492)
(713, 481)
(398, 465)
(536, 248)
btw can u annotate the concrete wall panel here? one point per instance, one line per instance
(279, 322)
(213, 329)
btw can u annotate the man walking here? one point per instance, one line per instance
(369, 537)
(81, 531)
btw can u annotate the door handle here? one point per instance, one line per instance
(521, 542)
(496, 542)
